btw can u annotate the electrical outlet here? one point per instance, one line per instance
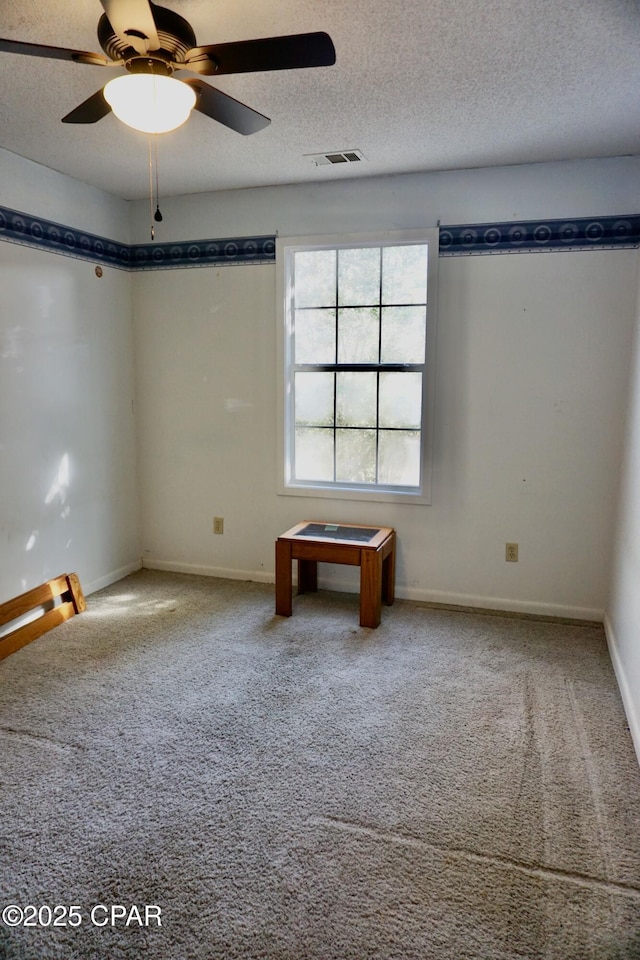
(218, 524)
(511, 552)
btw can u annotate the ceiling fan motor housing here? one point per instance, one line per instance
(175, 34)
(153, 65)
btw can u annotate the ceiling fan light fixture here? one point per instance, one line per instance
(150, 103)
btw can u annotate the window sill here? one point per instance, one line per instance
(350, 493)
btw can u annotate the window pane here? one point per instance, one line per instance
(403, 334)
(400, 400)
(314, 398)
(315, 278)
(404, 274)
(315, 336)
(356, 456)
(358, 335)
(356, 399)
(359, 276)
(399, 457)
(356, 364)
(314, 453)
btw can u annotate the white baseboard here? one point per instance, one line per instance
(202, 570)
(505, 605)
(111, 577)
(531, 607)
(623, 685)
(509, 605)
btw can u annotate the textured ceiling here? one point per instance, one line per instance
(418, 85)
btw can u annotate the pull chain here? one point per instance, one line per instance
(157, 216)
(153, 232)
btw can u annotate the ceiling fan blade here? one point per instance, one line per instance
(55, 53)
(133, 21)
(272, 53)
(223, 108)
(93, 109)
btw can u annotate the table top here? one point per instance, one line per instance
(349, 534)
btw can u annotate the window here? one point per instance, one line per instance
(357, 379)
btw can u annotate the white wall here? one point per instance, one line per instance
(532, 373)
(623, 609)
(583, 188)
(68, 469)
(34, 189)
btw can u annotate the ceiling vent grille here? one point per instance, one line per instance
(336, 156)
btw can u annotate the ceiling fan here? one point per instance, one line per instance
(153, 43)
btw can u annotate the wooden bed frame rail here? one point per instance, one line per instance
(65, 587)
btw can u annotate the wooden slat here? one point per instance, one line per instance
(31, 631)
(77, 596)
(36, 597)
(66, 587)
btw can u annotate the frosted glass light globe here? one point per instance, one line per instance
(149, 103)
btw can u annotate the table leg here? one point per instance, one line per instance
(283, 578)
(307, 576)
(370, 587)
(389, 574)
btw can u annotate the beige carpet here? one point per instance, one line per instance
(448, 786)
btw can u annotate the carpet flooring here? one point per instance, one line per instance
(450, 786)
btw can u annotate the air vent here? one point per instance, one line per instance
(342, 156)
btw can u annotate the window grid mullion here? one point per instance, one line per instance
(379, 362)
(358, 367)
(335, 376)
(364, 306)
(323, 426)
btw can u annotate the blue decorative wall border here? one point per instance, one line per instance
(19, 227)
(535, 236)
(203, 253)
(526, 236)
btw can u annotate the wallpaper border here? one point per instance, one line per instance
(203, 253)
(530, 236)
(19, 227)
(460, 240)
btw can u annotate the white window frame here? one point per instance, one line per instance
(286, 247)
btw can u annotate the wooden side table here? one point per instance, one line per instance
(373, 549)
